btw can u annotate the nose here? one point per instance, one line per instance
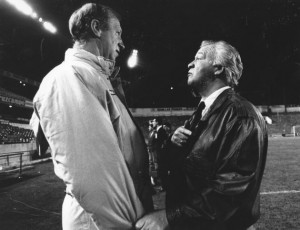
(191, 65)
(121, 44)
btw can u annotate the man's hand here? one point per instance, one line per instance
(180, 136)
(153, 221)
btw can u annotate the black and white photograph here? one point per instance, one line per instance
(149, 114)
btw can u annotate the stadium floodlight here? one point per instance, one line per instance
(133, 59)
(48, 26)
(22, 6)
(34, 15)
(26, 9)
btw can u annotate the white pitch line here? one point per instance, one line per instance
(280, 192)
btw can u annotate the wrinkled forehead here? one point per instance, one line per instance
(204, 51)
(200, 53)
(114, 23)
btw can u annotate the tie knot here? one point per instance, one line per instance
(201, 106)
(195, 117)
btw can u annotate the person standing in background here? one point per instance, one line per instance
(151, 145)
(160, 141)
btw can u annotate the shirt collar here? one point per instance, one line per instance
(211, 98)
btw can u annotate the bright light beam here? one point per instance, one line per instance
(132, 61)
(26, 9)
(34, 15)
(50, 27)
(22, 6)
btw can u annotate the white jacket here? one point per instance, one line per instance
(97, 149)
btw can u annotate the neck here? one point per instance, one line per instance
(212, 87)
(89, 46)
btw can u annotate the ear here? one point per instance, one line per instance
(218, 69)
(95, 27)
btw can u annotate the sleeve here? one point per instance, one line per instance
(85, 150)
(220, 187)
(41, 141)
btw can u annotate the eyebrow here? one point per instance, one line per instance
(200, 53)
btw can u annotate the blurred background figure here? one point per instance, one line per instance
(167, 127)
(151, 146)
(162, 156)
(159, 143)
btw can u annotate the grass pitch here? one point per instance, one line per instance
(281, 209)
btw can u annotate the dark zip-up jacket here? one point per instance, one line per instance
(214, 180)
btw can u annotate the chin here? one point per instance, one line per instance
(189, 82)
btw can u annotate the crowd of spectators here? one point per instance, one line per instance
(10, 134)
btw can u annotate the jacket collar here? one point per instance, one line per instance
(106, 65)
(98, 62)
(217, 103)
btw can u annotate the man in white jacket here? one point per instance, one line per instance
(97, 148)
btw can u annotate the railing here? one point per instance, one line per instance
(8, 155)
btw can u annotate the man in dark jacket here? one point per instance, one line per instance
(218, 156)
(160, 141)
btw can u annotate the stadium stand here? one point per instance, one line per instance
(14, 129)
(12, 134)
(282, 123)
(9, 94)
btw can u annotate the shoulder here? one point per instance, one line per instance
(48, 83)
(239, 110)
(59, 72)
(61, 78)
(240, 106)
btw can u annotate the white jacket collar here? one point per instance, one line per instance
(106, 65)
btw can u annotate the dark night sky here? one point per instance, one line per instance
(167, 34)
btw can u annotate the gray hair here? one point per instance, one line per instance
(80, 20)
(223, 54)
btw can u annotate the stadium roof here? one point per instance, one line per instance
(4, 92)
(7, 97)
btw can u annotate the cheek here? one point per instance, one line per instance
(197, 72)
(204, 71)
(115, 40)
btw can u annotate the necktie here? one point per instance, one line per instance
(194, 120)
